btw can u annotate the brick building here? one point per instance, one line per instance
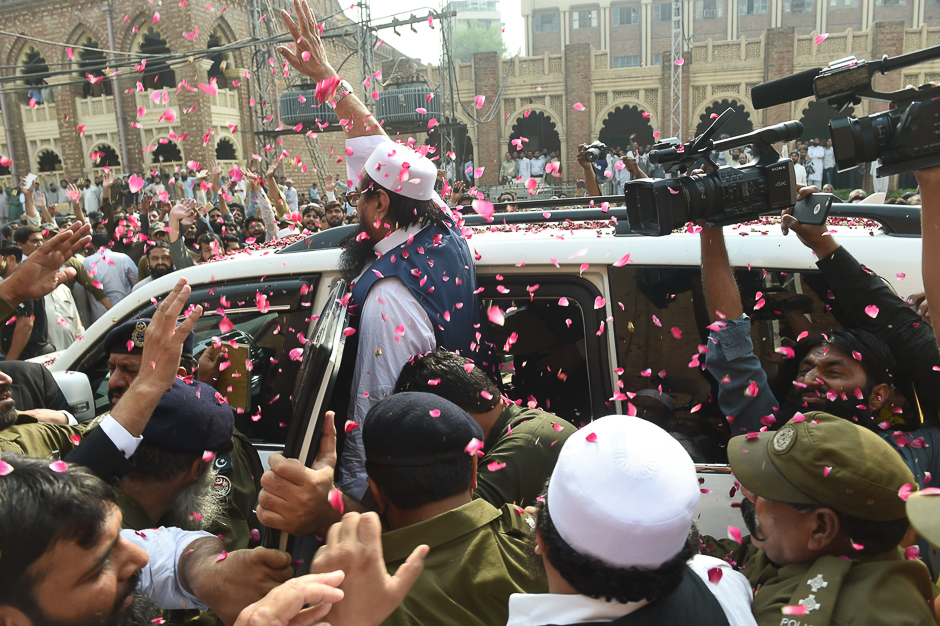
(78, 127)
(614, 58)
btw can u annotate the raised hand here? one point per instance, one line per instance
(39, 273)
(370, 594)
(306, 35)
(329, 183)
(107, 181)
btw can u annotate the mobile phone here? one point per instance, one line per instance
(813, 209)
(30, 179)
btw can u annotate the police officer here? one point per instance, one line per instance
(422, 478)
(825, 519)
(238, 471)
(172, 483)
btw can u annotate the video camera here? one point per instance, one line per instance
(905, 138)
(723, 195)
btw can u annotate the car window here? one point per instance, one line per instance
(550, 353)
(264, 334)
(661, 324)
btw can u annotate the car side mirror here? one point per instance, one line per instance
(76, 388)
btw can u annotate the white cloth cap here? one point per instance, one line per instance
(628, 497)
(398, 168)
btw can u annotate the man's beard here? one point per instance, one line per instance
(197, 506)
(846, 409)
(8, 418)
(142, 611)
(357, 255)
(749, 513)
(160, 271)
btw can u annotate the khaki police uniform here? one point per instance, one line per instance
(527, 441)
(819, 459)
(31, 437)
(479, 557)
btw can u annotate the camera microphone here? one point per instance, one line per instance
(784, 90)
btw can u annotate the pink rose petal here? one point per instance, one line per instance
(821, 38)
(714, 575)
(577, 106)
(871, 311)
(59, 466)
(5, 468)
(336, 500)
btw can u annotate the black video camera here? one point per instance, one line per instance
(723, 195)
(595, 151)
(905, 139)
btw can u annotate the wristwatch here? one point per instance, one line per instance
(342, 90)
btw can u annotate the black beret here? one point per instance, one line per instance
(128, 338)
(191, 418)
(413, 428)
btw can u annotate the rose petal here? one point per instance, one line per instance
(59, 466)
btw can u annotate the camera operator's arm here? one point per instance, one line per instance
(631, 166)
(743, 391)
(855, 289)
(589, 178)
(929, 181)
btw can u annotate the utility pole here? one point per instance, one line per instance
(675, 101)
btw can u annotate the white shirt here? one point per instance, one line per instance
(159, 580)
(538, 166)
(290, 196)
(91, 198)
(63, 322)
(830, 159)
(733, 592)
(800, 174)
(116, 272)
(525, 169)
(817, 154)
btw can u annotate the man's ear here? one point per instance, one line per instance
(182, 372)
(197, 469)
(878, 397)
(382, 203)
(826, 531)
(380, 500)
(473, 472)
(539, 543)
(10, 616)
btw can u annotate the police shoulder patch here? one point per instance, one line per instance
(223, 463)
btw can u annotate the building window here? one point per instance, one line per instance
(754, 7)
(843, 4)
(797, 6)
(622, 16)
(546, 22)
(662, 12)
(882, 3)
(658, 58)
(584, 19)
(632, 60)
(709, 9)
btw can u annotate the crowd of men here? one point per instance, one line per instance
(138, 235)
(434, 498)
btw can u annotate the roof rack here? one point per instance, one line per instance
(897, 220)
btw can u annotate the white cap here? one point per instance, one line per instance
(625, 492)
(398, 168)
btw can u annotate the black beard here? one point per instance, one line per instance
(749, 513)
(846, 409)
(8, 418)
(357, 255)
(141, 612)
(160, 272)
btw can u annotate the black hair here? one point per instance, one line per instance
(39, 508)
(452, 380)
(11, 249)
(408, 488)
(209, 238)
(6, 231)
(100, 240)
(404, 212)
(596, 579)
(22, 234)
(251, 220)
(156, 244)
(230, 238)
(877, 360)
(156, 465)
(312, 208)
(874, 537)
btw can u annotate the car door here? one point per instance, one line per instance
(323, 354)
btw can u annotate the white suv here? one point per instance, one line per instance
(563, 285)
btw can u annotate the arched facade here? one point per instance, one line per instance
(653, 121)
(744, 120)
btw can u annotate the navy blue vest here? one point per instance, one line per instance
(437, 267)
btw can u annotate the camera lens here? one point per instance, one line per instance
(591, 155)
(861, 140)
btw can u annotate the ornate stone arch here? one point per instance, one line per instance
(510, 121)
(78, 35)
(133, 32)
(19, 49)
(654, 120)
(230, 36)
(745, 103)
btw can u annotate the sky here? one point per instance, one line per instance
(426, 44)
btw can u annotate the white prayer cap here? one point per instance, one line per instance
(624, 491)
(398, 168)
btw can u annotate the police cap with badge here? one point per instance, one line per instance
(191, 418)
(128, 338)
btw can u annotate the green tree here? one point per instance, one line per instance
(473, 38)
